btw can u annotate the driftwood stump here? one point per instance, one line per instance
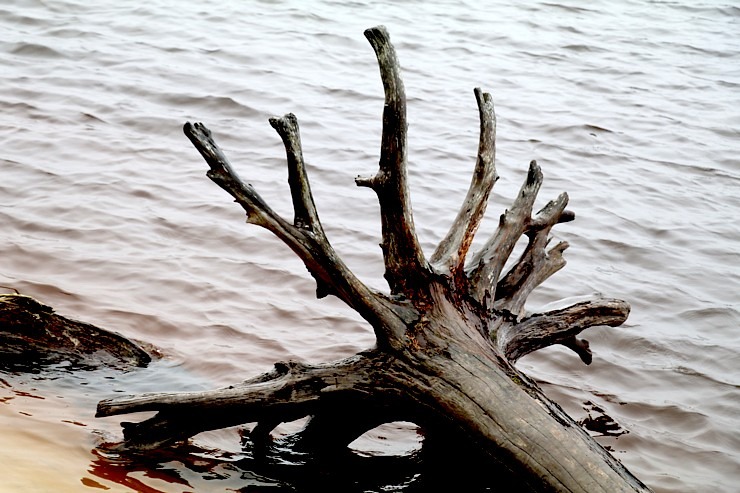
(448, 333)
(33, 336)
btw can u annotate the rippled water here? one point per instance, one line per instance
(631, 107)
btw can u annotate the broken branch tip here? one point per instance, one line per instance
(377, 31)
(534, 174)
(364, 181)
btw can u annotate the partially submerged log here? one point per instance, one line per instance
(33, 336)
(448, 333)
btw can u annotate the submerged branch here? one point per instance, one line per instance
(32, 335)
(289, 392)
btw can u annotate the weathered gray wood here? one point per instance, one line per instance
(447, 336)
(537, 263)
(307, 241)
(300, 190)
(404, 259)
(561, 327)
(449, 257)
(487, 264)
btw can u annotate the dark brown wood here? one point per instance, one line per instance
(448, 334)
(32, 335)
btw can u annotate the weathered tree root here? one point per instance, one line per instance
(448, 334)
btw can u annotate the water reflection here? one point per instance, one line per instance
(201, 469)
(124, 471)
(600, 424)
(282, 469)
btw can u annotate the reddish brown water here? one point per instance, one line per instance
(631, 107)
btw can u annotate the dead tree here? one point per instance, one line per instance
(448, 333)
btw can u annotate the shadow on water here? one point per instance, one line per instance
(600, 424)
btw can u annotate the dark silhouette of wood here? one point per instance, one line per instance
(33, 336)
(448, 333)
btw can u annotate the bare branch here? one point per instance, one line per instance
(404, 259)
(300, 190)
(452, 250)
(536, 264)
(485, 267)
(289, 392)
(445, 349)
(561, 327)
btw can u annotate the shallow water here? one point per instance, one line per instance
(630, 107)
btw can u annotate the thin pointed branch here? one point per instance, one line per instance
(485, 268)
(561, 327)
(452, 250)
(404, 259)
(303, 204)
(536, 264)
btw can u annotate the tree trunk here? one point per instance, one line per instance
(448, 334)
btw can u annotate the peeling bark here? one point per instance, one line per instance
(448, 332)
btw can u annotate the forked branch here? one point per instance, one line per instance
(486, 266)
(536, 263)
(441, 361)
(305, 237)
